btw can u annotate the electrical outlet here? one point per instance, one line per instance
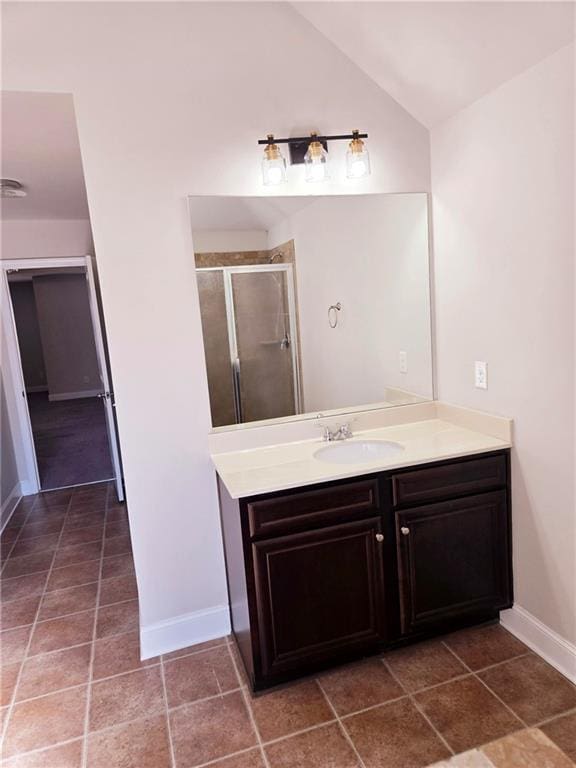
(403, 362)
(481, 374)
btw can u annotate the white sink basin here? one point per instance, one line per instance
(358, 451)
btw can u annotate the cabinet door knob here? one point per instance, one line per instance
(379, 537)
(404, 530)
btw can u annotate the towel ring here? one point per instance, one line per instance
(333, 309)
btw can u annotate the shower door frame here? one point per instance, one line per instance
(227, 273)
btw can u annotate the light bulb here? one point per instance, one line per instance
(273, 164)
(357, 158)
(316, 161)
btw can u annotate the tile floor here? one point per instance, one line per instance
(75, 694)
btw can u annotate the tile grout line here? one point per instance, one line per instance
(167, 713)
(417, 706)
(32, 631)
(248, 706)
(84, 760)
(571, 711)
(340, 725)
(487, 687)
(18, 535)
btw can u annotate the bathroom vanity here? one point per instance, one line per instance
(326, 572)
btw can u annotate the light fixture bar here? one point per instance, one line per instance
(308, 139)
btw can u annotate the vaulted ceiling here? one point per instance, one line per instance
(435, 58)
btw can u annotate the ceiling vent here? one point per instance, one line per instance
(11, 188)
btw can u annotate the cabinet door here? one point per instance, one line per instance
(453, 559)
(319, 595)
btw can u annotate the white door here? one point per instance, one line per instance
(106, 395)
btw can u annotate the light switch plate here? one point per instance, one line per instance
(481, 374)
(403, 362)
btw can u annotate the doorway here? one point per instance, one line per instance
(58, 364)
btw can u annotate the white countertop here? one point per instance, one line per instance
(291, 465)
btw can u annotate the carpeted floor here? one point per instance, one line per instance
(71, 440)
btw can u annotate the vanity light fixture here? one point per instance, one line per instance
(312, 151)
(273, 164)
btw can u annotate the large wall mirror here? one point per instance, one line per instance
(313, 304)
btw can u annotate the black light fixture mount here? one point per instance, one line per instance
(298, 145)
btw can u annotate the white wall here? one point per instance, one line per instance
(227, 241)
(45, 238)
(9, 480)
(503, 208)
(371, 255)
(153, 129)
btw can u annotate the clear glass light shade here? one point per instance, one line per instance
(316, 162)
(273, 166)
(357, 160)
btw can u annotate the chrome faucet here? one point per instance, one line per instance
(342, 432)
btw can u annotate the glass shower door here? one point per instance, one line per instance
(265, 361)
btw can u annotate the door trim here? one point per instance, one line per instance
(15, 394)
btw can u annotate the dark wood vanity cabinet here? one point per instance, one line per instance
(324, 574)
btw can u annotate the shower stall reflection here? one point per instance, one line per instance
(248, 321)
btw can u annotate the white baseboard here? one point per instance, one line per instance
(10, 504)
(74, 395)
(182, 631)
(557, 651)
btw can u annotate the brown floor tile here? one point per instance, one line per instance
(141, 744)
(86, 507)
(63, 756)
(79, 553)
(120, 565)
(198, 676)
(117, 514)
(562, 731)
(117, 654)
(531, 688)
(82, 535)
(290, 709)
(117, 619)
(9, 535)
(479, 647)
(118, 590)
(45, 721)
(357, 686)
(21, 566)
(23, 586)
(240, 668)
(526, 749)
(250, 759)
(394, 735)
(118, 528)
(8, 677)
(71, 600)
(53, 498)
(50, 672)
(52, 524)
(74, 575)
(55, 634)
(195, 648)
(19, 613)
(207, 730)
(34, 546)
(13, 643)
(126, 697)
(320, 748)
(119, 545)
(466, 714)
(84, 520)
(424, 664)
